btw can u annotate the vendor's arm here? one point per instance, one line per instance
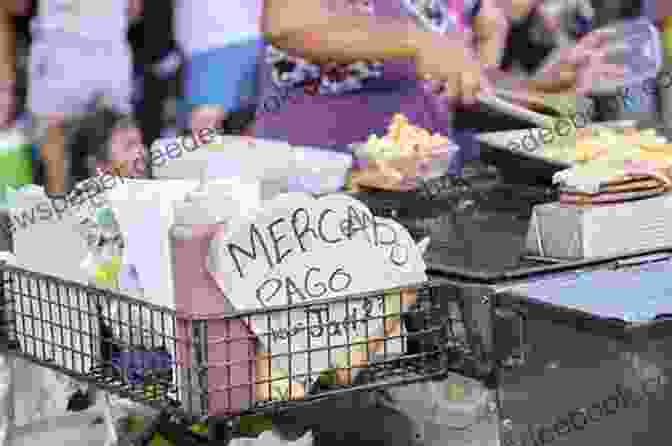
(7, 45)
(307, 28)
(491, 28)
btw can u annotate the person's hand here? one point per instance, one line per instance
(451, 68)
(578, 69)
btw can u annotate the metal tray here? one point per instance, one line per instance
(530, 166)
(477, 235)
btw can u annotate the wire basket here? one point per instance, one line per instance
(153, 355)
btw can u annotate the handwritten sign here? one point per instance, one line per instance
(300, 249)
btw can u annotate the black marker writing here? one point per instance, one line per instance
(338, 281)
(255, 236)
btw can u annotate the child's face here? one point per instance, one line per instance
(127, 152)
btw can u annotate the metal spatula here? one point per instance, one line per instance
(547, 104)
(516, 111)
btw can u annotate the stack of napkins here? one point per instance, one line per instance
(575, 232)
(609, 182)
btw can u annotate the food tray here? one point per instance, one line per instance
(414, 172)
(521, 166)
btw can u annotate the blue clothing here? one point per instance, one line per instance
(210, 79)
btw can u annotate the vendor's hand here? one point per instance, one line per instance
(578, 69)
(452, 69)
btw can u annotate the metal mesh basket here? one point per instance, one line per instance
(153, 355)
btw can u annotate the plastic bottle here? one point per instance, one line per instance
(16, 161)
(197, 219)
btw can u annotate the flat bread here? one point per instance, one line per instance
(626, 183)
(664, 148)
(378, 180)
(609, 198)
(632, 186)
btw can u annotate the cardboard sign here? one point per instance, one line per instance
(300, 249)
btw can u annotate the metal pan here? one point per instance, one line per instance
(520, 159)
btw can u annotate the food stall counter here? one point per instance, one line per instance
(564, 334)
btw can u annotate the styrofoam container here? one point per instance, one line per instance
(276, 165)
(569, 232)
(227, 156)
(437, 166)
(319, 171)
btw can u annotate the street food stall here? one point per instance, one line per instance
(545, 336)
(323, 292)
(565, 334)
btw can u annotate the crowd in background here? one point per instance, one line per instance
(181, 49)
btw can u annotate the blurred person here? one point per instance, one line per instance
(608, 11)
(222, 42)
(566, 21)
(540, 26)
(106, 143)
(353, 60)
(79, 50)
(107, 147)
(525, 51)
(352, 65)
(159, 63)
(638, 102)
(8, 58)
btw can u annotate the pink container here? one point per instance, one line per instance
(231, 345)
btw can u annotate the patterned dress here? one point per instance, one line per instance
(335, 105)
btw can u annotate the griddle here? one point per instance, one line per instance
(477, 229)
(530, 167)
